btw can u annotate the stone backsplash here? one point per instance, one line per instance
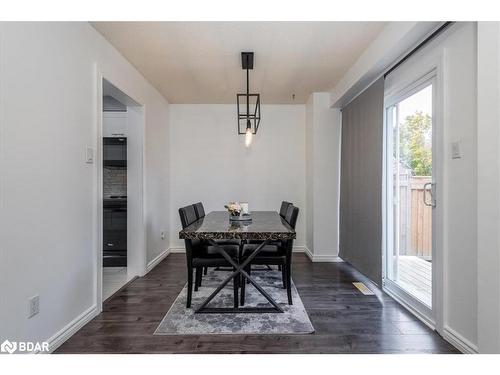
(114, 181)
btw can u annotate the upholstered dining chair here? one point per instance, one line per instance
(200, 212)
(284, 208)
(200, 255)
(274, 254)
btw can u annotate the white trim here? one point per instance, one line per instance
(296, 249)
(2, 119)
(98, 195)
(153, 263)
(320, 258)
(309, 253)
(459, 342)
(327, 259)
(176, 250)
(181, 249)
(408, 303)
(450, 335)
(299, 249)
(71, 328)
(429, 66)
(137, 263)
(399, 93)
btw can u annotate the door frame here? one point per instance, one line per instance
(409, 78)
(138, 266)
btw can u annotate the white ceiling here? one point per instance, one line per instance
(199, 62)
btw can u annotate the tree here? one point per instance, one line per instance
(415, 140)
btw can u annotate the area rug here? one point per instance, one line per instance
(182, 321)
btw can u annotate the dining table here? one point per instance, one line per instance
(264, 226)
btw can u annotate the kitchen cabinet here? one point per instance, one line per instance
(114, 124)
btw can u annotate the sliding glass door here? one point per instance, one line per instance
(410, 195)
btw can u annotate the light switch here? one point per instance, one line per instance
(455, 150)
(89, 155)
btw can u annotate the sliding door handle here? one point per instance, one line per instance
(432, 202)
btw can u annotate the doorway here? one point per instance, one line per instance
(114, 183)
(411, 195)
(121, 254)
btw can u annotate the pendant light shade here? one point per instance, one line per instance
(248, 104)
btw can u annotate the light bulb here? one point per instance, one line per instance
(248, 137)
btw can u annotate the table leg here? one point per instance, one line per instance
(239, 270)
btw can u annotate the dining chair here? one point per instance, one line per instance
(282, 212)
(190, 215)
(200, 212)
(284, 208)
(200, 255)
(275, 254)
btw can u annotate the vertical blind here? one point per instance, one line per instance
(361, 182)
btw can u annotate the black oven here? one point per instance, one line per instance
(115, 152)
(115, 232)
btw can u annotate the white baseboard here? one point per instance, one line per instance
(318, 258)
(299, 249)
(70, 329)
(459, 342)
(449, 334)
(181, 249)
(296, 249)
(152, 264)
(309, 253)
(177, 250)
(326, 259)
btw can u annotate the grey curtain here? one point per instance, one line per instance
(361, 182)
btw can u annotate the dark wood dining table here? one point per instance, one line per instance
(265, 226)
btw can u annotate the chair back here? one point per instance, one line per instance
(200, 211)
(292, 214)
(187, 215)
(284, 208)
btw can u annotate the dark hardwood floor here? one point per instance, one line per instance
(345, 320)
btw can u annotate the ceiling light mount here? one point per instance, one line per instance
(248, 104)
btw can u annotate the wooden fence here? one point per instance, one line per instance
(415, 218)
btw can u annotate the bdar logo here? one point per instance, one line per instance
(8, 347)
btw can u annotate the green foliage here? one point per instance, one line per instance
(415, 144)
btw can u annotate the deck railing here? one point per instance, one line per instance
(415, 218)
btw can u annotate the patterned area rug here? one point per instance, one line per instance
(182, 321)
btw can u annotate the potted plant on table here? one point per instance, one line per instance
(233, 208)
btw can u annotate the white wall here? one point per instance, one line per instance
(488, 208)
(460, 190)
(460, 194)
(323, 130)
(47, 192)
(209, 162)
(455, 50)
(310, 175)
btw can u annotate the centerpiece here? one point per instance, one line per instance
(238, 211)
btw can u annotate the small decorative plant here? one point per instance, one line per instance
(233, 208)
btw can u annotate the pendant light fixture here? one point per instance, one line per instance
(248, 120)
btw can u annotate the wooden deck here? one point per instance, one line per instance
(415, 276)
